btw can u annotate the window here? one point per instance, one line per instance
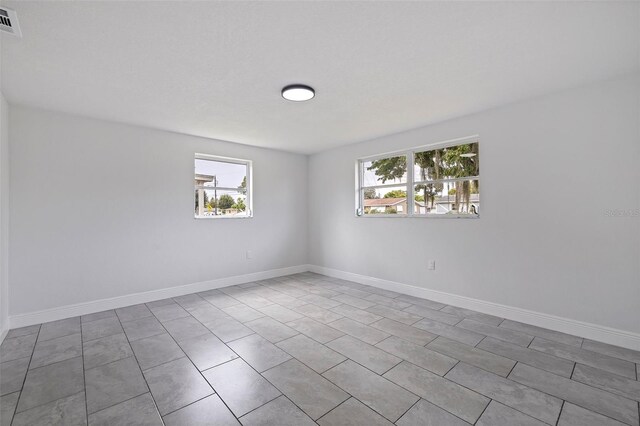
(443, 181)
(222, 187)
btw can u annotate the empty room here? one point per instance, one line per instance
(334, 213)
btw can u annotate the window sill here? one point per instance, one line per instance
(439, 216)
(221, 217)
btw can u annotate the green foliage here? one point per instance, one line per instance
(206, 199)
(456, 166)
(429, 191)
(448, 163)
(419, 197)
(242, 189)
(434, 165)
(225, 201)
(389, 168)
(396, 193)
(239, 205)
(391, 210)
(370, 194)
(430, 163)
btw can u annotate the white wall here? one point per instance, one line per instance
(550, 167)
(101, 210)
(4, 216)
(4, 212)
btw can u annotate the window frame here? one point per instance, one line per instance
(411, 182)
(249, 177)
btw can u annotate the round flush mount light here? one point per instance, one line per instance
(298, 92)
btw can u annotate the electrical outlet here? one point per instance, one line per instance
(431, 265)
(249, 255)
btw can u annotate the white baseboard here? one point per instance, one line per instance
(3, 334)
(600, 333)
(31, 318)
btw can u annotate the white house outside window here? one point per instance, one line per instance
(441, 180)
(222, 187)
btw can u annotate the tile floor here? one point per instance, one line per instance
(308, 349)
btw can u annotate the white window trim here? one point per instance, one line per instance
(410, 184)
(249, 198)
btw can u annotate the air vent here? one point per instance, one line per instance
(9, 22)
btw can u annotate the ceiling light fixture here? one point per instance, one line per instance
(298, 92)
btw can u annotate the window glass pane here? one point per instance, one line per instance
(384, 171)
(390, 200)
(447, 163)
(213, 203)
(452, 198)
(218, 173)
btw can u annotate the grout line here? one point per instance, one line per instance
(452, 367)
(250, 366)
(408, 409)
(553, 396)
(560, 412)
(485, 409)
(512, 368)
(118, 403)
(191, 403)
(222, 363)
(237, 338)
(138, 363)
(399, 385)
(344, 334)
(97, 319)
(57, 362)
(492, 399)
(271, 400)
(256, 289)
(42, 405)
(481, 340)
(26, 374)
(336, 407)
(352, 396)
(381, 375)
(7, 338)
(47, 365)
(108, 335)
(111, 362)
(576, 360)
(84, 374)
(193, 364)
(493, 351)
(16, 359)
(574, 403)
(415, 322)
(161, 364)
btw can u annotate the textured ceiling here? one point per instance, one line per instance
(215, 69)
